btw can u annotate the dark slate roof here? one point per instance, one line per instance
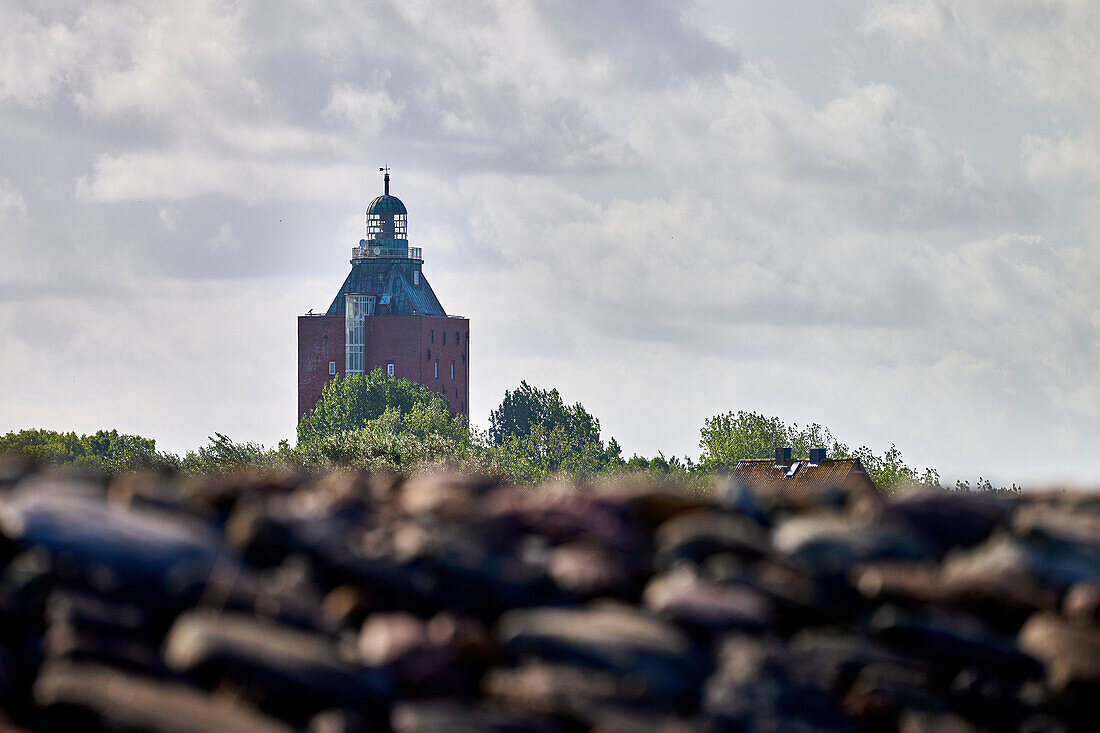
(769, 480)
(389, 277)
(386, 204)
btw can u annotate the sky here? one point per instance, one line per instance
(879, 215)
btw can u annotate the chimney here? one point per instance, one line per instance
(782, 456)
(817, 456)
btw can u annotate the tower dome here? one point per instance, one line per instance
(387, 217)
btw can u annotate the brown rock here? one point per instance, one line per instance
(127, 702)
(1071, 653)
(1082, 602)
(587, 570)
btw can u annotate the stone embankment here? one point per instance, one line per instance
(450, 603)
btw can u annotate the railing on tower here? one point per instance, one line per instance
(373, 250)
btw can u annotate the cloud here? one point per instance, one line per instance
(364, 108)
(11, 201)
(1038, 53)
(626, 205)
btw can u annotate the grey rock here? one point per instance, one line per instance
(134, 554)
(285, 668)
(831, 544)
(611, 637)
(949, 520)
(566, 515)
(686, 599)
(1016, 575)
(951, 640)
(697, 535)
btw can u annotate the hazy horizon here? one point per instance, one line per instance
(877, 215)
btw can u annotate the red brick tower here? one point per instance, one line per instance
(385, 315)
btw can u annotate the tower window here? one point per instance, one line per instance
(437, 368)
(356, 309)
(433, 335)
(463, 358)
(429, 354)
(416, 277)
(452, 371)
(389, 369)
(444, 338)
(332, 368)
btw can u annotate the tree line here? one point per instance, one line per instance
(378, 422)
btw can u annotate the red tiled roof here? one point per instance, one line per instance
(770, 481)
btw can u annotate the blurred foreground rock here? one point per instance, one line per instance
(446, 602)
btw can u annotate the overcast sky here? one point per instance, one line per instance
(879, 215)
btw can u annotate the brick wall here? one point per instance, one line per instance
(413, 344)
(320, 341)
(447, 350)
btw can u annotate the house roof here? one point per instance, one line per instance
(393, 278)
(770, 481)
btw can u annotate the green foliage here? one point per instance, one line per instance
(534, 435)
(731, 437)
(222, 455)
(527, 408)
(350, 403)
(397, 441)
(377, 422)
(984, 486)
(108, 451)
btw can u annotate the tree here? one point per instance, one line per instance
(108, 451)
(731, 437)
(527, 407)
(351, 402)
(534, 435)
(398, 442)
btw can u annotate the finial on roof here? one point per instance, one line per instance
(386, 178)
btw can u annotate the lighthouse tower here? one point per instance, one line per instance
(385, 315)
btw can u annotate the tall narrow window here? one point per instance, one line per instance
(433, 335)
(444, 338)
(416, 277)
(437, 368)
(452, 371)
(389, 369)
(356, 309)
(332, 368)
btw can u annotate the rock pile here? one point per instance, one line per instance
(450, 603)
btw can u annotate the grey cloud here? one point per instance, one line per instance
(616, 198)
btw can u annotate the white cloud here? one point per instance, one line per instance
(365, 108)
(624, 205)
(225, 238)
(1040, 52)
(11, 201)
